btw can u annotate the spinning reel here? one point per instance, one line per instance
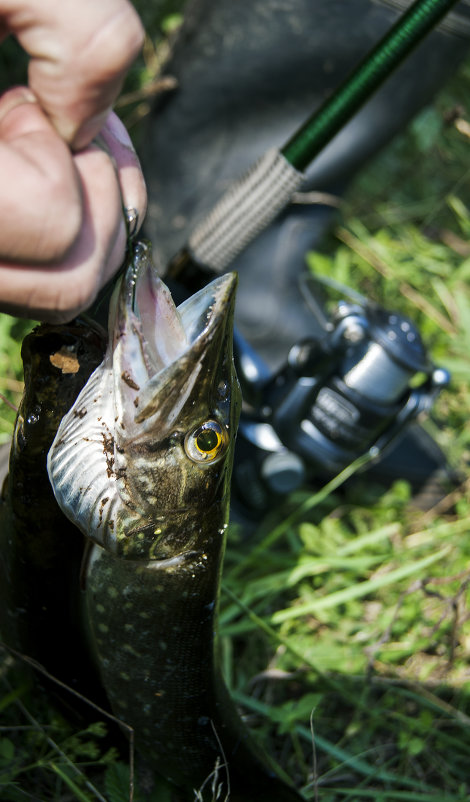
(350, 391)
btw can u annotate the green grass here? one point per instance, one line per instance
(345, 617)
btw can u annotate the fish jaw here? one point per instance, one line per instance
(147, 449)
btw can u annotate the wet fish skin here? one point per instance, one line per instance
(154, 572)
(40, 550)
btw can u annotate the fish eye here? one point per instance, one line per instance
(206, 443)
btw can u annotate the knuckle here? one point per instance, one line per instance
(117, 43)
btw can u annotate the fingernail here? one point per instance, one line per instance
(118, 130)
(131, 216)
(27, 96)
(15, 97)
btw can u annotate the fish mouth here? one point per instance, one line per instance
(158, 345)
(167, 331)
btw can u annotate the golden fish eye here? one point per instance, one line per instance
(207, 442)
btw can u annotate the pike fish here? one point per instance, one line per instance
(141, 464)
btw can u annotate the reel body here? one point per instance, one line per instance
(353, 390)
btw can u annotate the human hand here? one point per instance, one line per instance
(62, 232)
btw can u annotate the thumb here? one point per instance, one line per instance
(79, 51)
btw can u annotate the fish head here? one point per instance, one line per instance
(177, 395)
(143, 459)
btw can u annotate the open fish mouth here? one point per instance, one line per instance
(144, 309)
(161, 395)
(157, 345)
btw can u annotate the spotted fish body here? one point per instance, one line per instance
(142, 466)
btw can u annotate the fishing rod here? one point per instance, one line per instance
(354, 389)
(256, 198)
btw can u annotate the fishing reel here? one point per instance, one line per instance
(352, 390)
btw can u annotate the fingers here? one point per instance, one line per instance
(80, 51)
(40, 194)
(56, 290)
(63, 233)
(56, 293)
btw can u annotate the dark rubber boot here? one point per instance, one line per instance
(249, 72)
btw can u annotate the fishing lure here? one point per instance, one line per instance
(141, 464)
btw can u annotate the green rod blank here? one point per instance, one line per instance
(328, 120)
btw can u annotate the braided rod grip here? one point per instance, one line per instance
(244, 211)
